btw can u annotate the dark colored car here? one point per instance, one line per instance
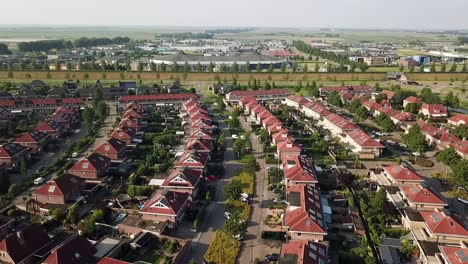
(272, 257)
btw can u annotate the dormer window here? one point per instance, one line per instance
(85, 165)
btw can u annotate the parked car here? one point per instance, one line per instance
(227, 215)
(39, 180)
(245, 200)
(272, 257)
(234, 136)
(74, 154)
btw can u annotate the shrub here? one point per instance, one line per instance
(223, 249)
(424, 163)
(238, 207)
(280, 236)
(247, 182)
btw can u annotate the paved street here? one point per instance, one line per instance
(213, 219)
(252, 245)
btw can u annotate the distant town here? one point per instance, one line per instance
(235, 146)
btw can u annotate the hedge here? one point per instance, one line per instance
(240, 208)
(247, 182)
(223, 249)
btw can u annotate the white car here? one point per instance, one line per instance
(74, 154)
(39, 180)
(227, 215)
(234, 136)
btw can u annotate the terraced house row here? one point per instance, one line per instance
(307, 213)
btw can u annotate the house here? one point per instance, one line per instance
(287, 148)
(199, 145)
(304, 216)
(124, 134)
(399, 175)
(280, 136)
(62, 190)
(75, 250)
(461, 147)
(133, 106)
(156, 98)
(129, 122)
(193, 159)
(26, 92)
(270, 121)
(5, 95)
(259, 95)
(12, 154)
(166, 205)
(433, 110)
(315, 110)
(59, 92)
(174, 88)
(435, 226)
(452, 255)
(35, 140)
(441, 138)
(355, 90)
(5, 224)
(337, 124)
(92, 168)
(137, 114)
(295, 101)
(389, 94)
(458, 119)
(128, 86)
(38, 84)
(221, 88)
(420, 197)
(51, 127)
(299, 170)
(113, 148)
(20, 246)
(303, 252)
(184, 179)
(411, 100)
(201, 133)
(363, 144)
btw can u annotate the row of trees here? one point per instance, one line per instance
(342, 60)
(46, 45)
(459, 166)
(4, 49)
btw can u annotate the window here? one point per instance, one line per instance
(85, 165)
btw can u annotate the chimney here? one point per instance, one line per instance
(20, 236)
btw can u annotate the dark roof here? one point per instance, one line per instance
(11, 149)
(127, 85)
(61, 91)
(26, 91)
(429, 248)
(142, 239)
(181, 57)
(38, 83)
(414, 215)
(74, 251)
(5, 220)
(392, 189)
(60, 186)
(70, 85)
(25, 242)
(295, 199)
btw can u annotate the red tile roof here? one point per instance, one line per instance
(421, 195)
(320, 110)
(183, 177)
(199, 144)
(260, 92)
(247, 99)
(299, 169)
(425, 127)
(123, 132)
(412, 99)
(107, 260)
(288, 145)
(434, 109)
(297, 99)
(60, 186)
(129, 122)
(49, 125)
(390, 94)
(440, 223)
(400, 173)
(193, 159)
(363, 139)
(25, 242)
(201, 133)
(156, 97)
(132, 105)
(460, 146)
(459, 119)
(31, 137)
(76, 250)
(10, 150)
(93, 162)
(304, 212)
(454, 255)
(111, 146)
(305, 252)
(340, 122)
(165, 202)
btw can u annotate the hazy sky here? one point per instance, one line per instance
(415, 14)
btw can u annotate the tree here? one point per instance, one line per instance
(232, 190)
(235, 67)
(72, 215)
(452, 100)
(186, 67)
(415, 139)
(163, 67)
(464, 69)
(429, 97)
(316, 68)
(235, 225)
(23, 166)
(334, 99)
(385, 122)
(460, 131)
(175, 67)
(270, 68)
(283, 67)
(247, 66)
(433, 67)
(140, 66)
(258, 67)
(421, 68)
(448, 156)
(459, 175)
(453, 68)
(198, 67)
(4, 49)
(97, 96)
(238, 147)
(361, 112)
(211, 67)
(380, 97)
(306, 68)
(223, 68)
(88, 117)
(354, 105)
(443, 68)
